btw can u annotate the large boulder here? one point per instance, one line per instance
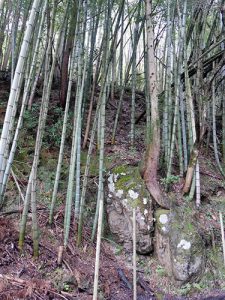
(126, 190)
(179, 247)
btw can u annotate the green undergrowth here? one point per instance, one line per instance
(48, 165)
(54, 124)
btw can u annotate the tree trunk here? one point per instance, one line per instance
(65, 59)
(153, 150)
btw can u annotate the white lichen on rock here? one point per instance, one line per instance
(111, 187)
(110, 178)
(119, 193)
(145, 201)
(111, 184)
(163, 219)
(133, 194)
(184, 244)
(145, 212)
(164, 228)
(116, 177)
(124, 201)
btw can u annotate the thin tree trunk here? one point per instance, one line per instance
(63, 136)
(153, 150)
(66, 54)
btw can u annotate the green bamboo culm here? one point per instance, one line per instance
(14, 87)
(77, 120)
(63, 136)
(31, 188)
(100, 197)
(24, 102)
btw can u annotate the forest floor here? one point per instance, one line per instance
(22, 277)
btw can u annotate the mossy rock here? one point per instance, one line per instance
(179, 246)
(187, 249)
(127, 191)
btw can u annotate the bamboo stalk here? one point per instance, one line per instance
(63, 135)
(98, 248)
(14, 88)
(222, 234)
(17, 185)
(134, 256)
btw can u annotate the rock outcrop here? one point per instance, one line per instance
(126, 190)
(179, 247)
(178, 244)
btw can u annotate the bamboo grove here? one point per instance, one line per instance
(172, 50)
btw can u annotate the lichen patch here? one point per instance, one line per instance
(111, 187)
(145, 201)
(145, 212)
(133, 194)
(119, 193)
(163, 219)
(184, 244)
